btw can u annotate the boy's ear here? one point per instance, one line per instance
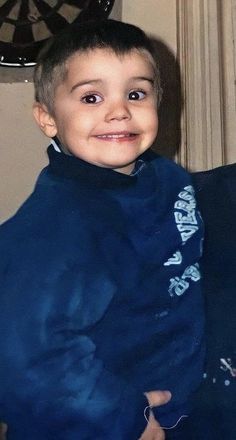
(44, 120)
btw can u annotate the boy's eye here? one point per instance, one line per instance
(136, 95)
(92, 98)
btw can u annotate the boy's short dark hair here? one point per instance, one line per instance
(120, 37)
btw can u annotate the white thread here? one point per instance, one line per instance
(163, 427)
(174, 426)
(144, 412)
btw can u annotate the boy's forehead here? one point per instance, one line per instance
(89, 59)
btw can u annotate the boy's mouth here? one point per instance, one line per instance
(119, 137)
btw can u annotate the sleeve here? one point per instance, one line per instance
(52, 382)
(62, 390)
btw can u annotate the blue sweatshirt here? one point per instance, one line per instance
(100, 301)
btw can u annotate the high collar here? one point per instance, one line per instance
(92, 175)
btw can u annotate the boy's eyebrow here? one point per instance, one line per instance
(85, 82)
(99, 81)
(143, 78)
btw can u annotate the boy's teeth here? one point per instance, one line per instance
(116, 136)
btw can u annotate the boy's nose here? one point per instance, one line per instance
(118, 111)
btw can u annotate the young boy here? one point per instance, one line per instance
(100, 295)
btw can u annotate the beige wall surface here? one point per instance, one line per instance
(22, 146)
(156, 17)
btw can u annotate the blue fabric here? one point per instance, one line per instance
(214, 412)
(100, 301)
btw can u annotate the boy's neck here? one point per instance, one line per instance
(126, 170)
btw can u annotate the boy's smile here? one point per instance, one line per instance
(119, 137)
(105, 112)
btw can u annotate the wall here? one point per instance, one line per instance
(22, 146)
(156, 17)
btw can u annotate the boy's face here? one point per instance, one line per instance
(105, 112)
